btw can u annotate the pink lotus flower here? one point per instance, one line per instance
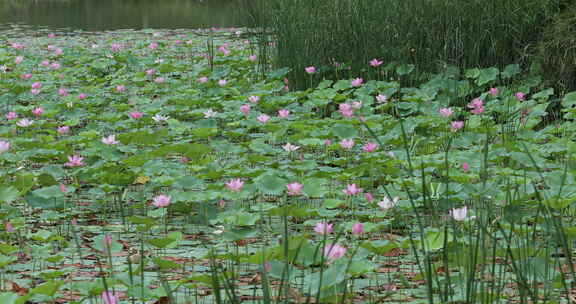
(333, 252)
(37, 111)
(18, 59)
(445, 112)
(375, 62)
(370, 147)
(290, 147)
(252, 57)
(356, 82)
(110, 140)
(58, 52)
(25, 122)
(352, 189)
(245, 109)
(222, 49)
(135, 114)
(4, 146)
(153, 46)
(310, 70)
(107, 241)
(74, 161)
(11, 115)
(381, 98)
(356, 105)
(109, 298)
(161, 201)
(387, 203)
(17, 46)
(203, 79)
(477, 106)
(115, 47)
(520, 96)
(26, 76)
(294, 188)
(150, 72)
(50, 47)
(478, 111)
(459, 214)
(347, 143)
(323, 228)
(62, 92)
(51, 35)
(159, 80)
(465, 166)
(493, 91)
(120, 88)
(369, 197)
(35, 91)
(346, 110)
(45, 63)
(253, 99)
(63, 130)
(358, 229)
(283, 113)
(235, 185)
(456, 125)
(55, 65)
(222, 82)
(263, 118)
(327, 142)
(62, 188)
(36, 85)
(9, 227)
(475, 103)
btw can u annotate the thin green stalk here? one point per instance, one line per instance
(427, 262)
(406, 148)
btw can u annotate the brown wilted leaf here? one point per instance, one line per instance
(162, 300)
(12, 286)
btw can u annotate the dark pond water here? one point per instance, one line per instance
(98, 15)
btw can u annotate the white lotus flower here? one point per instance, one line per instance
(160, 118)
(25, 122)
(459, 214)
(386, 203)
(210, 113)
(290, 147)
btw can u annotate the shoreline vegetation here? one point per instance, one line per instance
(341, 37)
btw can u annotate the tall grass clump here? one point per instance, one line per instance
(341, 37)
(557, 59)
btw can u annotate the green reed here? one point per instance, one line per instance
(341, 37)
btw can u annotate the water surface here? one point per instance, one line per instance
(99, 15)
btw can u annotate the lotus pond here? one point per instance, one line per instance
(176, 167)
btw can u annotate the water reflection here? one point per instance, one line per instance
(96, 15)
